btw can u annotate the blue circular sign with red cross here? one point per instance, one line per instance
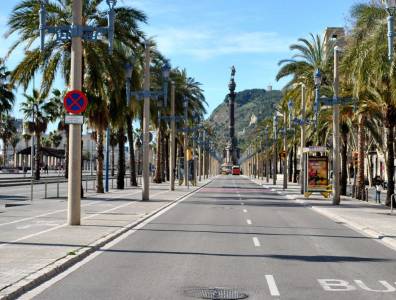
(75, 102)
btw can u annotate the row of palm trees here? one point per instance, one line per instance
(366, 76)
(103, 80)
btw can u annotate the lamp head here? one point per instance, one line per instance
(185, 102)
(317, 77)
(166, 71)
(390, 6)
(111, 3)
(290, 104)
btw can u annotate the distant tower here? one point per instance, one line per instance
(269, 88)
(232, 151)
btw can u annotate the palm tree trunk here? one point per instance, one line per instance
(163, 159)
(361, 144)
(37, 157)
(67, 154)
(290, 175)
(100, 159)
(344, 158)
(167, 158)
(390, 168)
(132, 163)
(112, 161)
(4, 152)
(295, 164)
(158, 177)
(121, 159)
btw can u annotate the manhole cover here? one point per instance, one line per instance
(216, 293)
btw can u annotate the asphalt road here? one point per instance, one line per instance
(236, 235)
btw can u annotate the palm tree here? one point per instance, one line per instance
(6, 94)
(7, 130)
(374, 80)
(15, 139)
(55, 139)
(40, 110)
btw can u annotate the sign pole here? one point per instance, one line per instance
(74, 180)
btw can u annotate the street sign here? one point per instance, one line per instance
(74, 119)
(75, 102)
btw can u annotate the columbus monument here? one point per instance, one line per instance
(231, 152)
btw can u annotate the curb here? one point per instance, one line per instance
(33, 280)
(378, 236)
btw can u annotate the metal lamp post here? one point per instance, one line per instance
(336, 132)
(302, 164)
(390, 6)
(185, 105)
(275, 133)
(317, 81)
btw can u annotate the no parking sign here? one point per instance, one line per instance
(75, 102)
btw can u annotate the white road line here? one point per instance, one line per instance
(38, 290)
(256, 242)
(62, 210)
(249, 222)
(245, 210)
(65, 224)
(272, 285)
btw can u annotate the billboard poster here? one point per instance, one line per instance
(317, 174)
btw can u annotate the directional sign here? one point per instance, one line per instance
(75, 102)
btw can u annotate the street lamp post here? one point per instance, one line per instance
(336, 132)
(185, 146)
(146, 121)
(285, 163)
(172, 139)
(302, 164)
(390, 6)
(317, 81)
(274, 175)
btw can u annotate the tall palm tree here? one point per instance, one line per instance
(7, 130)
(6, 89)
(373, 78)
(39, 110)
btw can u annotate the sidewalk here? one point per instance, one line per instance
(368, 218)
(36, 243)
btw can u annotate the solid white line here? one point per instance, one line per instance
(249, 222)
(272, 285)
(62, 210)
(256, 242)
(65, 224)
(38, 290)
(245, 210)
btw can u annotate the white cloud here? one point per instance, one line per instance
(207, 44)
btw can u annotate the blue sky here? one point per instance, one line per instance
(207, 37)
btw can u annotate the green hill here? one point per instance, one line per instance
(250, 105)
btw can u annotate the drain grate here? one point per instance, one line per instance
(217, 293)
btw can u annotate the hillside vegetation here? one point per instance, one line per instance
(250, 104)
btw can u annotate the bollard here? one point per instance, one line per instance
(94, 183)
(31, 190)
(367, 199)
(57, 188)
(86, 184)
(112, 182)
(45, 189)
(392, 199)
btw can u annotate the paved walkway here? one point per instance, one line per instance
(375, 220)
(36, 243)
